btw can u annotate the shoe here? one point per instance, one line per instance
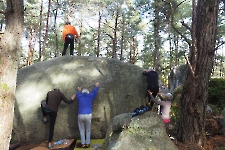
(141, 111)
(45, 120)
(136, 112)
(148, 105)
(87, 145)
(83, 146)
(50, 146)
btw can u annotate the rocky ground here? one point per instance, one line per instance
(212, 143)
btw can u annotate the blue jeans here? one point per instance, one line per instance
(84, 123)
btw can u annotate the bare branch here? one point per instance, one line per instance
(184, 37)
(173, 26)
(190, 67)
(109, 35)
(107, 24)
(177, 5)
(185, 25)
(219, 45)
(180, 3)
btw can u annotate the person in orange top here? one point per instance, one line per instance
(68, 34)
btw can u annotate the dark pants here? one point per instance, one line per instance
(69, 40)
(154, 90)
(52, 118)
(167, 127)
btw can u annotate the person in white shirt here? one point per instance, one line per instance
(166, 105)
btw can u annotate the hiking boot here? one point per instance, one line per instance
(87, 145)
(45, 120)
(83, 146)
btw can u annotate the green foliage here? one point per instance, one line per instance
(175, 109)
(174, 114)
(215, 110)
(136, 20)
(216, 98)
(221, 148)
(217, 92)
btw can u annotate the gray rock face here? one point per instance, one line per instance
(143, 132)
(177, 76)
(122, 89)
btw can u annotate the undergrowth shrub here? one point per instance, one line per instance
(216, 98)
(216, 92)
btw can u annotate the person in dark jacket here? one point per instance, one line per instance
(85, 101)
(152, 83)
(50, 108)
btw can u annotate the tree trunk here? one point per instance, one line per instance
(99, 32)
(31, 48)
(157, 54)
(175, 41)
(194, 97)
(133, 51)
(56, 34)
(114, 54)
(46, 32)
(40, 29)
(79, 43)
(122, 37)
(9, 60)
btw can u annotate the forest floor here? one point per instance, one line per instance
(216, 142)
(213, 141)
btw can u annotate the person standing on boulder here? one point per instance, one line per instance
(50, 108)
(68, 35)
(166, 103)
(85, 101)
(152, 83)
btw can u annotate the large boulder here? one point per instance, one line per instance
(177, 76)
(122, 89)
(146, 131)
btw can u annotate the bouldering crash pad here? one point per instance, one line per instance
(44, 146)
(95, 143)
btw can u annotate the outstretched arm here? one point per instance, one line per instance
(153, 99)
(145, 72)
(160, 96)
(73, 96)
(66, 100)
(95, 90)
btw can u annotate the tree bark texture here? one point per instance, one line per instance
(157, 54)
(40, 29)
(99, 31)
(56, 34)
(46, 32)
(31, 48)
(194, 98)
(9, 52)
(114, 52)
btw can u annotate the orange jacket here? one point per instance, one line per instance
(68, 29)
